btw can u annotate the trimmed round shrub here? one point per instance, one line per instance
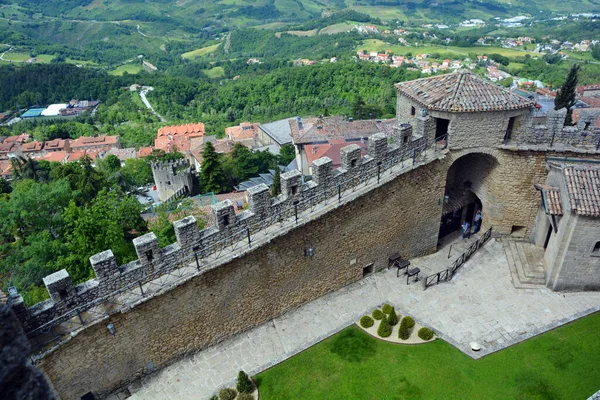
(227, 394)
(377, 314)
(245, 396)
(409, 321)
(366, 321)
(404, 330)
(384, 329)
(244, 384)
(425, 333)
(215, 397)
(387, 309)
(392, 318)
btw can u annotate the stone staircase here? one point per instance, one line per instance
(526, 262)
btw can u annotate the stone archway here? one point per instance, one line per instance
(471, 184)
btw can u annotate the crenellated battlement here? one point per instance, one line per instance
(68, 301)
(173, 178)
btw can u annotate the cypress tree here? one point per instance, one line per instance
(276, 186)
(565, 96)
(211, 172)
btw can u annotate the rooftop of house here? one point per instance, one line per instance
(32, 146)
(324, 129)
(551, 199)
(22, 138)
(8, 147)
(583, 185)
(55, 144)
(144, 151)
(332, 150)
(182, 130)
(76, 155)
(56, 156)
(279, 131)
(123, 154)
(461, 91)
(245, 130)
(102, 140)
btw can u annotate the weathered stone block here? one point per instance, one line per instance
(146, 247)
(187, 232)
(321, 170)
(350, 156)
(259, 199)
(291, 183)
(224, 214)
(104, 265)
(59, 286)
(378, 144)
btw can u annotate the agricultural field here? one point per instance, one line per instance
(378, 45)
(216, 72)
(190, 55)
(337, 28)
(129, 68)
(312, 32)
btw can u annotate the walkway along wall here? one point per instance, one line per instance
(401, 215)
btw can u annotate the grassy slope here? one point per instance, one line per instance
(561, 364)
(129, 68)
(375, 45)
(201, 52)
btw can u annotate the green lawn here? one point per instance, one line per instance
(561, 364)
(201, 52)
(215, 72)
(376, 45)
(129, 68)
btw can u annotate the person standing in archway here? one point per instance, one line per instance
(466, 230)
(477, 221)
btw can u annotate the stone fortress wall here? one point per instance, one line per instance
(173, 179)
(392, 201)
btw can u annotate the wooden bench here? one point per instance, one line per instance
(412, 272)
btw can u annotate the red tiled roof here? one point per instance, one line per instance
(56, 156)
(551, 196)
(331, 150)
(56, 144)
(99, 141)
(32, 146)
(577, 113)
(144, 151)
(461, 91)
(246, 130)
(583, 184)
(22, 138)
(186, 129)
(321, 129)
(76, 155)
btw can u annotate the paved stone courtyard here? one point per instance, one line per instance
(479, 304)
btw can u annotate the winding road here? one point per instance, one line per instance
(146, 89)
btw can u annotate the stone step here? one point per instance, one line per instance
(529, 268)
(517, 262)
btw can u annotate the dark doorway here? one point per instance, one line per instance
(441, 128)
(509, 129)
(548, 236)
(450, 222)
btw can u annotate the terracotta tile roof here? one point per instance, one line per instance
(144, 151)
(56, 144)
(246, 130)
(56, 156)
(332, 150)
(32, 146)
(186, 129)
(461, 91)
(583, 184)
(22, 138)
(578, 111)
(551, 198)
(99, 141)
(324, 129)
(76, 155)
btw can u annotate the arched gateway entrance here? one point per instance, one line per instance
(470, 186)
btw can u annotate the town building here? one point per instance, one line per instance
(100, 143)
(57, 145)
(179, 137)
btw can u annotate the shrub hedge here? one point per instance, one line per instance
(227, 394)
(392, 317)
(410, 322)
(404, 330)
(377, 314)
(244, 384)
(425, 333)
(245, 396)
(366, 321)
(384, 329)
(387, 309)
